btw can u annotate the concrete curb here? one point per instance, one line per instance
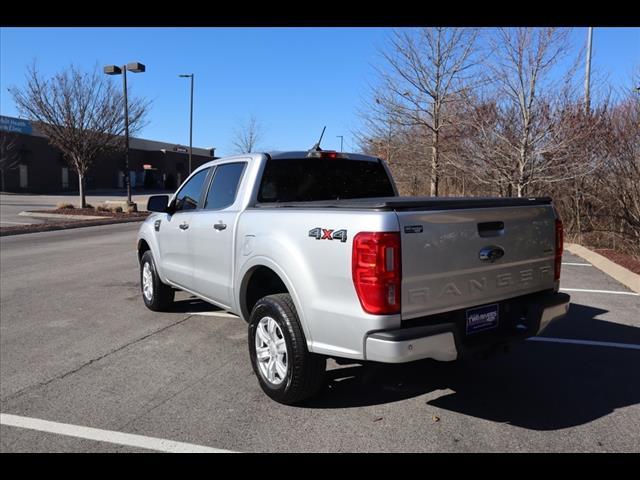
(62, 216)
(621, 274)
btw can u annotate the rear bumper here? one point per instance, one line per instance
(447, 340)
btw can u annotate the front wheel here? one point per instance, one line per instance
(286, 370)
(157, 296)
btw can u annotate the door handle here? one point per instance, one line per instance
(183, 226)
(220, 226)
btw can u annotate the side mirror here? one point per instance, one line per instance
(158, 203)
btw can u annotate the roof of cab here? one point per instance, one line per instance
(279, 155)
(303, 154)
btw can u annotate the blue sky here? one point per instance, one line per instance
(294, 80)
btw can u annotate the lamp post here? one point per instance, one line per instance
(134, 67)
(587, 74)
(190, 75)
(341, 137)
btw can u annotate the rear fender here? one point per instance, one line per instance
(263, 261)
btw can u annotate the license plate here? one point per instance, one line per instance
(482, 318)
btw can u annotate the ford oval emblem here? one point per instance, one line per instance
(491, 253)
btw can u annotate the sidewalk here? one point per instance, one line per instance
(11, 205)
(96, 192)
(618, 272)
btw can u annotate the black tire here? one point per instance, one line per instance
(163, 294)
(305, 370)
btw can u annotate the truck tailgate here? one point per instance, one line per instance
(441, 250)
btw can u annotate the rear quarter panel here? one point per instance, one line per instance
(316, 272)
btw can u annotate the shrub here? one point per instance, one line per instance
(103, 208)
(117, 209)
(64, 205)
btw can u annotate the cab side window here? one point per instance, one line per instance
(224, 186)
(189, 195)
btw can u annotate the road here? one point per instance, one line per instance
(78, 348)
(12, 204)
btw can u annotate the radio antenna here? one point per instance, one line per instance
(316, 147)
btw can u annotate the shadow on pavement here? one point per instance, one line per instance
(193, 304)
(538, 386)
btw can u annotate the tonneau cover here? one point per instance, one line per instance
(413, 203)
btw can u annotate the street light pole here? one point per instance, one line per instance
(126, 136)
(190, 75)
(191, 126)
(587, 74)
(134, 67)
(341, 137)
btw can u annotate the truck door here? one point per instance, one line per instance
(213, 235)
(175, 232)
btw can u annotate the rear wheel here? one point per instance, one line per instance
(157, 296)
(286, 370)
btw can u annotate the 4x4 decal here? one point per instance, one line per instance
(328, 234)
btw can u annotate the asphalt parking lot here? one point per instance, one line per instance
(79, 350)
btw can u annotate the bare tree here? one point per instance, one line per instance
(82, 114)
(247, 136)
(524, 132)
(9, 155)
(428, 71)
(619, 182)
(521, 130)
(398, 145)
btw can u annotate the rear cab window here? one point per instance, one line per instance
(224, 186)
(314, 179)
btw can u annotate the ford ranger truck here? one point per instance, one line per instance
(321, 257)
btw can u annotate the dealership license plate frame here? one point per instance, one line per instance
(487, 318)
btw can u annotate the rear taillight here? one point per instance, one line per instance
(558, 251)
(376, 271)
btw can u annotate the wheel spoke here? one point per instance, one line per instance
(272, 330)
(262, 335)
(280, 368)
(271, 370)
(281, 346)
(263, 354)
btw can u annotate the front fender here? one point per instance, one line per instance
(148, 234)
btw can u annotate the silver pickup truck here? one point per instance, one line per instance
(321, 257)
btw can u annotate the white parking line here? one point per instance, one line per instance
(108, 436)
(614, 292)
(577, 264)
(630, 346)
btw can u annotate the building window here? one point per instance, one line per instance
(24, 175)
(65, 178)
